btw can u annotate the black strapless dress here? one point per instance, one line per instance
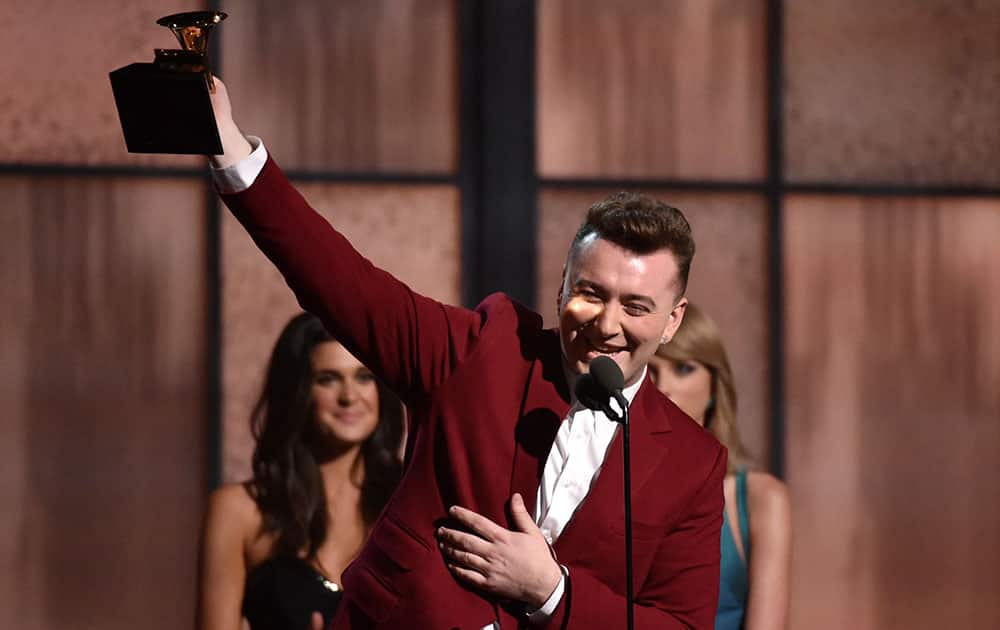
(283, 593)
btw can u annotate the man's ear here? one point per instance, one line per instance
(674, 320)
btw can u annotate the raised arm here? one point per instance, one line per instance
(410, 341)
(770, 553)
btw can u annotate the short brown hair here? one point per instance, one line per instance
(642, 225)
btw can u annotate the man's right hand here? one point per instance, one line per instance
(234, 146)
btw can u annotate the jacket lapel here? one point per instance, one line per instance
(604, 503)
(544, 406)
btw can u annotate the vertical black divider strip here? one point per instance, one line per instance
(775, 193)
(470, 140)
(498, 180)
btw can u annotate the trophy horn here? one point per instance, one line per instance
(192, 30)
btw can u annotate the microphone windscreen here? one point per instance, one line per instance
(589, 393)
(607, 374)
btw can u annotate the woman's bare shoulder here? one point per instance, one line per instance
(768, 497)
(231, 502)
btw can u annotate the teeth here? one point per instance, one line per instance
(604, 349)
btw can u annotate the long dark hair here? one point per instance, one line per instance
(287, 485)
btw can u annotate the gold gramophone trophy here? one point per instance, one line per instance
(164, 106)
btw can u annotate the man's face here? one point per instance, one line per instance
(618, 303)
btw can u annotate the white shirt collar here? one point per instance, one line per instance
(630, 391)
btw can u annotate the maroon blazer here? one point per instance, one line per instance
(486, 393)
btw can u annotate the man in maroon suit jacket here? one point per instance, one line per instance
(488, 390)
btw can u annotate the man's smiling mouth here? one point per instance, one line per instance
(604, 349)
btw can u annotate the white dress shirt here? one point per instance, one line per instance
(574, 461)
(241, 175)
(580, 446)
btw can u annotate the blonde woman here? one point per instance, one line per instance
(693, 371)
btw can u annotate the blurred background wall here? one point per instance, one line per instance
(839, 162)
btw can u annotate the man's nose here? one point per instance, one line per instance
(608, 322)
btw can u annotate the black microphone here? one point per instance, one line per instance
(590, 394)
(609, 378)
(595, 391)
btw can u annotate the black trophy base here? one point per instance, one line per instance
(165, 111)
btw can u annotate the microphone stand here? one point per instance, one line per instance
(595, 390)
(623, 419)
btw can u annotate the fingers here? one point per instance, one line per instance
(466, 560)
(464, 550)
(522, 518)
(506, 563)
(470, 577)
(316, 622)
(462, 541)
(477, 523)
(220, 98)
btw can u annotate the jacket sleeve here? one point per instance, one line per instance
(410, 341)
(682, 589)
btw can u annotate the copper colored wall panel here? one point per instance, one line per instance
(350, 85)
(102, 368)
(893, 416)
(902, 92)
(651, 89)
(56, 105)
(728, 279)
(413, 232)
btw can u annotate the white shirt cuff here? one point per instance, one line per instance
(240, 176)
(543, 614)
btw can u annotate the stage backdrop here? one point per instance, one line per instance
(839, 162)
(104, 345)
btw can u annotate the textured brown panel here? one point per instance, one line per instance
(57, 105)
(898, 91)
(348, 85)
(102, 352)
(654, 89)
(893, 412)
(728, 279)
(412, 232)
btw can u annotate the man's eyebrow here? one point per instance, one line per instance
(597, 287)
(629, 297)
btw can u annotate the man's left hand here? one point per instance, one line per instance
(512, 564)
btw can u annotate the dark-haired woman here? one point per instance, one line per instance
(326, 461)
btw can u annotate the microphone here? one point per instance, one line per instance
(590, 394)
(595, 391)
(608, 376)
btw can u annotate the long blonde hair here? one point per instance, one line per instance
(697, 339)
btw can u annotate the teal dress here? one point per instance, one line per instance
(734, 580)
